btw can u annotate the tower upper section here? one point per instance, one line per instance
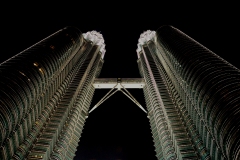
(97, 39)
(144, 38)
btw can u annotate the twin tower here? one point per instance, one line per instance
(192, 96)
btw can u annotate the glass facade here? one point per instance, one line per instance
(45, 93)
(192, 97)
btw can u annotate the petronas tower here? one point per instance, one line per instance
(46, 92)
(192, 96)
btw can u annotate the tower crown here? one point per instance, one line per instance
(97, 39)
(144, 38)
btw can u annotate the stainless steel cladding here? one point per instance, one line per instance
(192, 96)
(45, 94)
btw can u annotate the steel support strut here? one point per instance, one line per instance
(119, 85)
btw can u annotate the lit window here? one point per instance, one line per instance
(40, 69)
(35, 64)
(22, 73)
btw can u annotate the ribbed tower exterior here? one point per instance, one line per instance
(192, 97)
(45, 94)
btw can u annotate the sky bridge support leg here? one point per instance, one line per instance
(118, 84)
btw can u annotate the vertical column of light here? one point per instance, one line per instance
(55, 120)
(27, 77)
(60, 74)
(154, 129)
(212, 84)
(179, 132)
(157, 108)
(182, 89)
(188, 101)
(177, 88)
(52, 130)
(76, 119)
(50, 108)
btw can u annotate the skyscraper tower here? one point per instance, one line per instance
(192, 97)
(45, 93)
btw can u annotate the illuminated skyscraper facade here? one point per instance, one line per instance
(192, 97)
(45, 93)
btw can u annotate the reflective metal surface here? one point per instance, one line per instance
(45, 94)
(196, 93)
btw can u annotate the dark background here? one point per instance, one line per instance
(118, 129)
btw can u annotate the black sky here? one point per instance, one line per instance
(118, 129)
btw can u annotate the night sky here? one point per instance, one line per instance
(118, 129)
